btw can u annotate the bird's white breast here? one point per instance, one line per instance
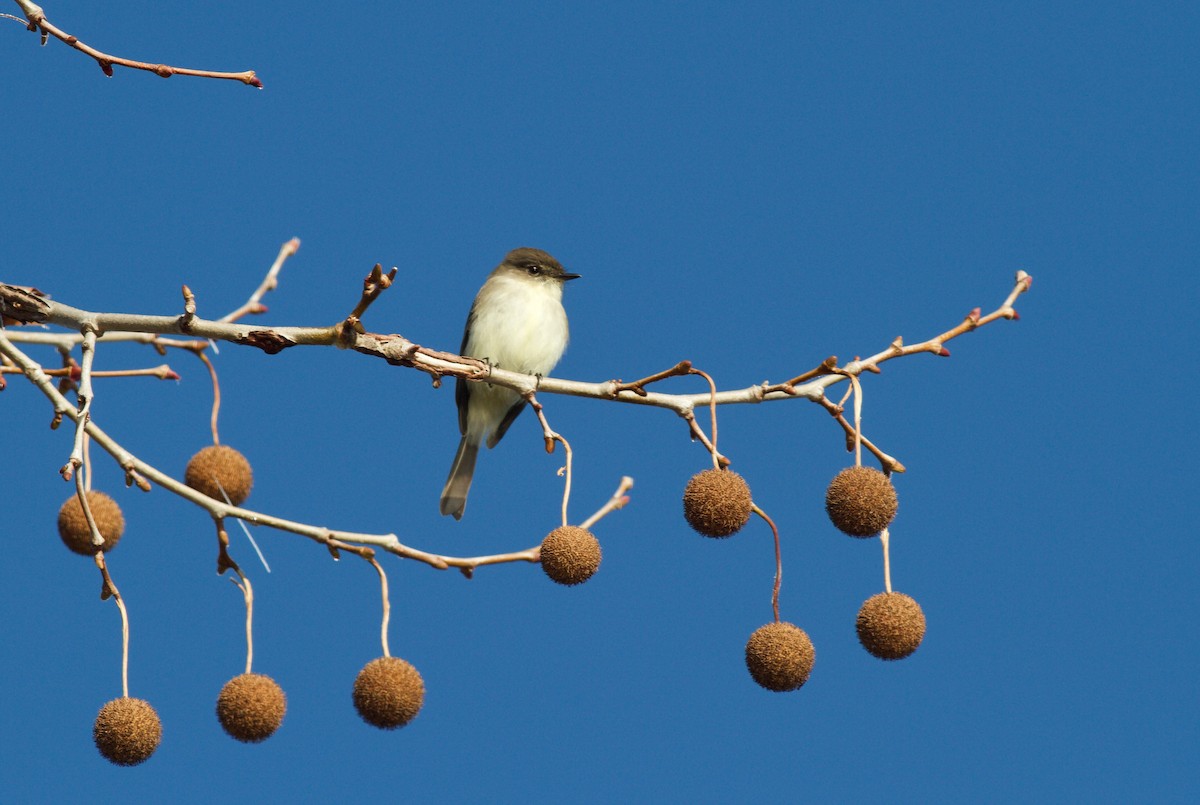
(522, 326)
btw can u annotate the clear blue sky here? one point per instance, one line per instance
(750, 186)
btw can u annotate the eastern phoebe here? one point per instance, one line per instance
(517, 322)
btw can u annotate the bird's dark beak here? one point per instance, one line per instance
(567, 276)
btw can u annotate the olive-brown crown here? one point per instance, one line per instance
(890, 625)
(861, 501)
(127, 731)
(220, 467)
(570, 554)
(251, 707)
(73, 527)
(780, 656)
(717, 503)
(388, 693)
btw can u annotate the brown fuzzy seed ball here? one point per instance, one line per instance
(891, 625)
(388, 693)
(73, 527)
(218, 467)
(570, 554)
(861, 501)
(127, 731)
(251, 707)
(717, 503)
(780, 656)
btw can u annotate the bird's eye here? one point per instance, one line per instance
(534, 269)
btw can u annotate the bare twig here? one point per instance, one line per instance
(162, 372)
(778, 560)
(619, 500)
(551, 437)
(109, 590)
(270, 282)
(38, 22)
(827, 366)
(712, 410)
(884, 537)
(216, 404)
(399, 350)
(638, 387)
(225, 562)
(85, 404)
(369, 555)
(135, 467)
(376, 283)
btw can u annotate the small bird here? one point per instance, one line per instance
(517, 322)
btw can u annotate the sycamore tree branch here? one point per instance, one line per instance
(22, 305)
(136, 469)
(27, 306)
(36, 21)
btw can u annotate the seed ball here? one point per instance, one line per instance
(127, 731)
(861, 501)
(570, 554)
(73, 527)
(891, 625)
(717, 503)
(218, 467)
(251, 707)
(780, 656)
(388, 693)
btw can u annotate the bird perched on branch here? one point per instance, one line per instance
(517, 322)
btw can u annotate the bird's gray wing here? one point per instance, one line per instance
(509, 416)
(461, 390)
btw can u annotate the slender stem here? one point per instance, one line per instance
(85, 395)
(37, 20)
(566, 471)
(108, 588)
(141, 471)
(387, 607)
(551, 437)
(247, 589)
(618, 500)
(216, 405)
(124, 645)
(270, 282)
(638, 387)
(778, 560)
(887, 566)
(712, 407)
(858, 406)
(87, 462)
(81, 491)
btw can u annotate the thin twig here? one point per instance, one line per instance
(887, 565)
(162, 372)
(778, 560)
(638, 387)
(85, 394)
(712, 408)
(375, 284)
(225, 562)
(243, 584)
(109, 590)
(270, 282)
(551, 437)
(619, 500)
(335, 546)
(132, 465)
(216, 404)
(38, 22)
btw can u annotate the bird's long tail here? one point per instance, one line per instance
(454, 496)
